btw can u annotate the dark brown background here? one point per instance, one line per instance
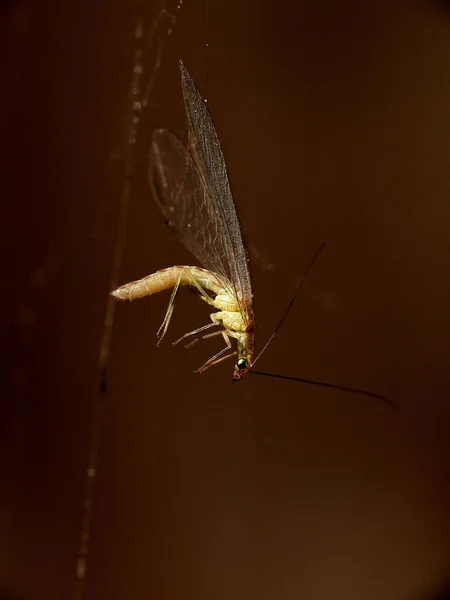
(335, 122)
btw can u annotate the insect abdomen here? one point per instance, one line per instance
(166, 279)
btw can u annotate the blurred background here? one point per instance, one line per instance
(335, 123)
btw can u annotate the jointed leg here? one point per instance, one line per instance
(169, 312)
(219, 356)
(232, 353)
(215, 321)
(203, 337)
(203, 294)
(199, 330)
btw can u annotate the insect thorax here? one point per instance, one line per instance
(226, 302)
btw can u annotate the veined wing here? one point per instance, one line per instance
(194, 194)
(206, 151)
(179, 191)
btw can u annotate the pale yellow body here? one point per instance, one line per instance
(224, 300)
(166, 279)
(202, 279)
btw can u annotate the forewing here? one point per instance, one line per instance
(207, 154)
(185, 203)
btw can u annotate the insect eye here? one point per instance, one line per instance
(242, 363)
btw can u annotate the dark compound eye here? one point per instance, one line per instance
(242, 363)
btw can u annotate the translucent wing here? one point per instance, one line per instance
(183, 200)
(206, 151)
(194, 194)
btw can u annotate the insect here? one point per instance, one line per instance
(192, 189)
(190, 185)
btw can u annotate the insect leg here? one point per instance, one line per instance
(169, 312)
(165, 324)
(233, 353)
(199, 330)
(203, 337)
(215, 321)
(203, 294)
(219, 356)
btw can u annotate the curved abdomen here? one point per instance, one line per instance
(166, 279)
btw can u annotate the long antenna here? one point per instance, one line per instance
(292, 300)
(334, 386)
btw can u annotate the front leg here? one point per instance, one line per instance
(219, 356)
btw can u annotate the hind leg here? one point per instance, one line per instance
(170, 308)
